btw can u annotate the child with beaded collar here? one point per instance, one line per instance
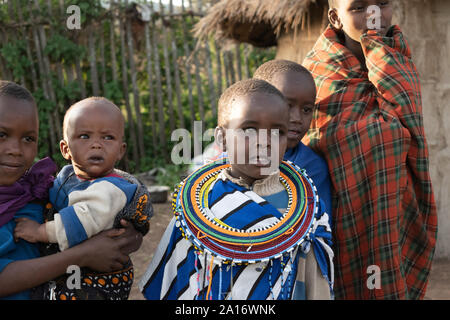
(241, 231)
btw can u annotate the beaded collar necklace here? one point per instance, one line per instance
(229, 245)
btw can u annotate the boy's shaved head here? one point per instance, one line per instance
(268, 70)
(241, 88)
(91, 102)
(93, 137)
(296, 83)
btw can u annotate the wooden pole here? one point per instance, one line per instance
(198, 79)
(177, 73)
(167, 69)
(130, 119)
(157, 66)
(212, 92)
(93, 61)
(34, 79)
(112, 44)
(149, 56)
(39, 51)
(187, 53)
(237, 51)
(218, 68)
(136, 97)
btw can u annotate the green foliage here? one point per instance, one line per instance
(173, 174)
(61, 49)
(15, 55)
(113, 91)
(45, 106)
(259, 56)
(69, 92)
(66, 48)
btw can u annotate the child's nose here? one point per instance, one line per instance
(295, 115)
(96, 144)
(264, 138)
(14, 148)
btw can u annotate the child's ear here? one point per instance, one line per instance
(334, 19)
(220, 138)
(65, 151)
(123, 149)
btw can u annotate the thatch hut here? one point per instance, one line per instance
(294, 26)
(266, 23)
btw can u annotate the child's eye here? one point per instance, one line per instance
(3, 135)
(307, 109)
(357, 8)
(84, 136)
(276, 133)
(108, 137)
(250, 131)
(29, 139)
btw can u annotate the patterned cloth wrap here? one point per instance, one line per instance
(100, 286)
(369, 127)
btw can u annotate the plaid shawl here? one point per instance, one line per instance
(369, 127)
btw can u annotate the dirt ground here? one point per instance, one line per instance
(438, 287)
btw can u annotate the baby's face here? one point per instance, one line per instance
(263, 117)
(19, 130)
(300, 92)
(353, 15)
(93, 140)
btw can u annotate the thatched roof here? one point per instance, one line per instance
(258, 22)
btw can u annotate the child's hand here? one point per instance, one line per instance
(30, 231)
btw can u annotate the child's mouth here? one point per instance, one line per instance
(293, 134)
(260, 161)
(11, 166)
(95, 159)
(9, 170)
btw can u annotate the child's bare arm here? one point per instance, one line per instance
(30, 231)
(102, 253)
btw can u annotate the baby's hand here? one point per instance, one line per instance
(30, 231)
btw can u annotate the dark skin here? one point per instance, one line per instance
(300, 92)
(255, 112)
(93, 140)
(93, 143)
(18, 138)
(105, 252)
(350, 17)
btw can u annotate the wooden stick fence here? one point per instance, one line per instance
(140, 54)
